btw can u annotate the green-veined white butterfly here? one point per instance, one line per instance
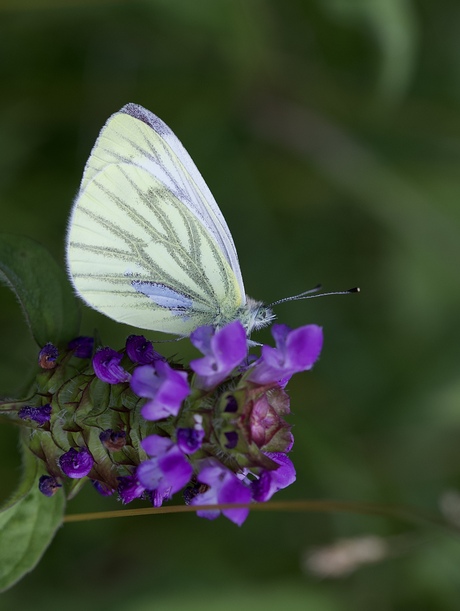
(147, 244)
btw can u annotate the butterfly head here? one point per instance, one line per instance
(255, 315)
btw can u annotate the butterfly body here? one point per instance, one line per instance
(147, 244)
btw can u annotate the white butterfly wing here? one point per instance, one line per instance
(147, 244)
(148, 142)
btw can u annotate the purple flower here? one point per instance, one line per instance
(48, 485)
(140, 350)
(167, 471)
(106, 365)
(157, 497)
(39, 414)
(102, 488)
(296, 350)
(270, 481)
(189, 440)
(224, 487)
(129, 488)
(82, 346)
(164, 386)
(224, 350)
(47, 356)
(113, 440)
(76, 463)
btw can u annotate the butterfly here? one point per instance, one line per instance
(147, 244)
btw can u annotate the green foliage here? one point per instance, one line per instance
(28, 523)
(393, 26)
(41, 287)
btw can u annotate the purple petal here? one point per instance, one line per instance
(40, 415)
(270, 482)
(167, 471)
(201, 338)
(234, 491)
(155, 445)
(140, 350)
(296, 350)
(230, 345)
(224, 350)
(280, 334)
(129, 488)
(102, 488)
(206, 366)
(174, 387)
(145, 382)
(224, 487)
(303, 347)
(176, 469)
(106, 365)
(82, 347)
(158, 498)
(207, 498)
(166, 388)
(189, 440)
(76, 463)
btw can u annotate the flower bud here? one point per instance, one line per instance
(76, 463)
(141, 351)
(106, 365)
(82, 347)
(40, 415)
(47, 356)
(48, 485)
(113, 440)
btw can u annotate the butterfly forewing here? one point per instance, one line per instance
(137, 136)
(138, 249)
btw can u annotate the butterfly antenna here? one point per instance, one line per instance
(310, 295)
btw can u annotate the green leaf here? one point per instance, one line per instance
(28, 522)
(42, 289)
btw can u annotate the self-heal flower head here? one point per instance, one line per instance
(140, 350)
(76, 463)
(106, 365)
(270, 481)
(82, 347)
(40, 415)
(224, 350)
(296, 350)
(167, 471)
(224, 487)
(164, 386)
(47, 356)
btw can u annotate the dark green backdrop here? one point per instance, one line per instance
(329, 133)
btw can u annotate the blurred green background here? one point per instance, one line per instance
(329, 133)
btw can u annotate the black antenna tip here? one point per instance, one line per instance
(355, 289)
